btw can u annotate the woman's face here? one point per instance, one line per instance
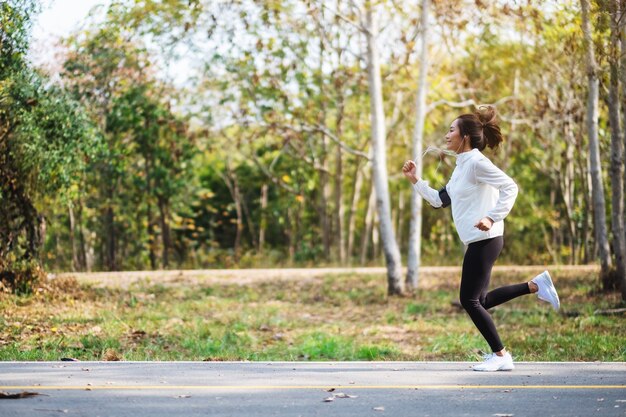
(454, 141)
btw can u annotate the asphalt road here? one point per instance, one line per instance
(250, 389)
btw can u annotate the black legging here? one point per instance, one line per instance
(477, 263)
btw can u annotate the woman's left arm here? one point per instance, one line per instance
(488, 173)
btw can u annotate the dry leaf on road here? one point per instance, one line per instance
(24, 394)
(342, 395)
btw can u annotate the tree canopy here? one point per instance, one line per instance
(189, 134)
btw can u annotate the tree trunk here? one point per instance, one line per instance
(151, 234)
(593, 244)
(617, 155)
(75, 261)
(585, 203)
(400, 217)
(263, 221)
(369, 221)
(249, 220)
(323, 199)
(290, 232)
(622, 75)
(165, 230)
(111, 236)
(356, 193)
(238, 208)
(594, 147)
(230, 179)
(379, 163)
(415, 228)
(82, 265)
(340, 208)
(567, 182)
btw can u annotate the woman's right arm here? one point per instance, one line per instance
(409, 169)
(429, 194)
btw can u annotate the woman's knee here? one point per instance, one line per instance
(470, 304)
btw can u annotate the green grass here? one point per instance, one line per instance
(340, 317)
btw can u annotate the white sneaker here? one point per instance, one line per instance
(547, 292)
(494, 363)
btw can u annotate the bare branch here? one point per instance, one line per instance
(466, 103)
(358, 26)
(325, 131)
(311, 161)
(438, 103)
(512, 121)
(342, 144)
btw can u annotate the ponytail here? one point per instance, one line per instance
(481, 127)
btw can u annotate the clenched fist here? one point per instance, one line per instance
(484, 224)
(409, 169)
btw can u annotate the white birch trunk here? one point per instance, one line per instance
(594, 147)
(617, 153)
(415, 229)
(379, 162)
(622, 75)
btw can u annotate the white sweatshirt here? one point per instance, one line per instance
(477, 189)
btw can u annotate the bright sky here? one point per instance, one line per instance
(58, 18)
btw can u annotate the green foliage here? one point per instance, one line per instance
(44, 142)
(173, 176)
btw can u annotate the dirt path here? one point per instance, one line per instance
(248, 276)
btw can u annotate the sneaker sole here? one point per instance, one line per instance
(502, 368)
(552, 291)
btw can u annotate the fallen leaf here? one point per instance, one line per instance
(54, 411)
(110, 355)
(137, 334)
(330, 389)
(378, 408)
(329, 399)
(600, 400)
(69, 360)
(24, 394)
(184, 396)
(503, 415)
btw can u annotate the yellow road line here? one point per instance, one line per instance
(298, 387)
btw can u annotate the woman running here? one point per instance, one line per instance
(481, 196)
